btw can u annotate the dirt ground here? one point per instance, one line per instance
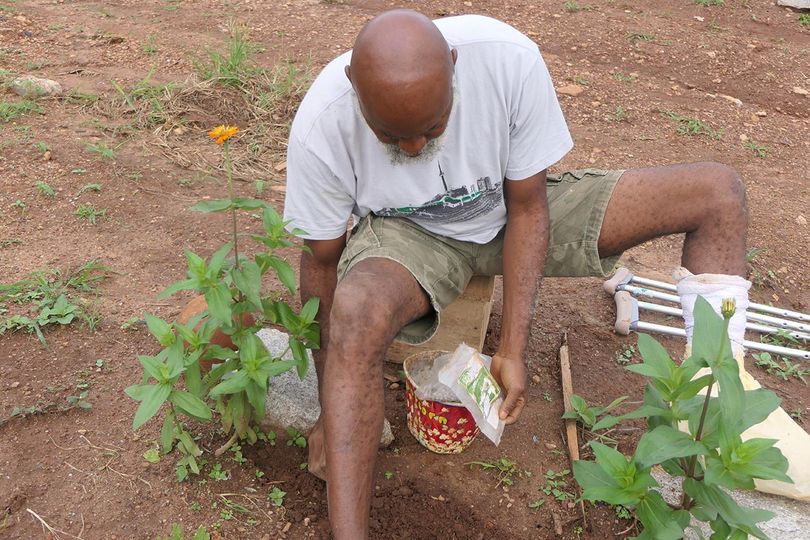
(741, 68)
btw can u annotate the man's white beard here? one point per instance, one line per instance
(431, 149)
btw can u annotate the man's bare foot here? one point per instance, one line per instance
(316, 463)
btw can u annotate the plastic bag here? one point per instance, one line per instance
(467, 375)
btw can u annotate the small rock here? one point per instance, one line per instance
(46, 156)
(550, 446)
(404, 491)
(536, 379)
(801, 220)
(15, 384)
(801, 91)
(798, 4)
(280, 166)
(698, 18)
(572, 90)
(743, 137)
(712, 54)
(393, 386)
(761, 114)
(732, 99)
(29, 86)
(180, 130)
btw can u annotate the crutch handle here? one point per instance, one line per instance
(622, 275)
(626, 312)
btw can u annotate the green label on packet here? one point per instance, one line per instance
(481, 386)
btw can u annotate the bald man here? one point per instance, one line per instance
(436, 136)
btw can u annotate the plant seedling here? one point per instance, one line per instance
(90, 213)
(218, 474)
(101, 149)
(276, 496)
(555, 485)
(42, 146)
(710, 2)
(505, 469)
(781, 367)
(625, 356)
(45, 189)
(388, 475)
(89, 187)
(295, 438)
(804, 19)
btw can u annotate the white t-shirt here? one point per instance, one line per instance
(505, 123)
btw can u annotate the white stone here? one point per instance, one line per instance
(291, 401)
(798, 4)
(29, 86)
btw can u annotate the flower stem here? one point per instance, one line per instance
(229, 171)
(686, 500)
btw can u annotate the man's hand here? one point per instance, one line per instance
(511, 375)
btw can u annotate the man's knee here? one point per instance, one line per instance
(725, 189)
(360, 313)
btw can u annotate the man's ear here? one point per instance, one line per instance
(453, 53)
(348, 71)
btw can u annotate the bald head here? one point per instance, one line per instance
(402, 72)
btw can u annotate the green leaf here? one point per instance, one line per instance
(710, 337)
(216, 205)
(218, 299)
(160, 329)
(606, 422)
(153, 399)
(759, 404)
(285, 272)
(191, 404)
(717, 500)
(310, 309)
(658, 517)
(659, 364)
(248, 279)
(246, 203)
(731, 394)
(256, 397)
(236, 383)
(217, 260)
(598, 485)
(138, 392)
(185, 285)
(612, 405)
(154, 367)
(691, 389)
(663, 443)
(167, 434)
(300, 355)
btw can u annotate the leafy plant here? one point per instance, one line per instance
(276, 496)
(102, 149)
(89, 212)
(691, 126)
(295, 438)
(572, 7)
(50, 297)
(625, 356)
(236, 307)
(623, 77)
(234, 67)
(710, 2)
(88, 187)
(10, 110)
(589, 416)
(759, 150)
(45, 188)
(556, 485)
(218, 474)
(781, 367)
(635, 37)
(505, 469)
(714, 423)
(804, 19)
(41, 146)
(177, 534)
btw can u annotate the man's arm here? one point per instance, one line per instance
(319, 279)
(524, 255)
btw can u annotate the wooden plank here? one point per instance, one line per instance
(465, 320)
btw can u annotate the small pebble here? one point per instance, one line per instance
(536, 379)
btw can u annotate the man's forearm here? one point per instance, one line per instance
(524, 255)
(319, 280)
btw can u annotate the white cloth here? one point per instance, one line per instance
(792, 439)
(506, 122)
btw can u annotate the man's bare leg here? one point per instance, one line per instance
(704, 200)
(372, 303)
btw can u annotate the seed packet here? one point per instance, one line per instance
(468, 376)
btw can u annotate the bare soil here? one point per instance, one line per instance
(82, 471)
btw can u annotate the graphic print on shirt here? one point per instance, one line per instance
(453, 205)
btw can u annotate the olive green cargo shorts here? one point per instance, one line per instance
(443, 266)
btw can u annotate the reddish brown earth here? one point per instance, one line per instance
(82, 471)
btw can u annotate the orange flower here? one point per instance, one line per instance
(223, 133)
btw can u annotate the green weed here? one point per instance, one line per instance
(177, 534)
(77, 97)
(88, 187)
(20, 205)
(625, 356)
(556, 485)
(50, 297)
(233, 68)
(691, 126)
(42, 146)
(804, 19)
(90, 213)
(710, 2)
(102, 149)
(276, 496)
(635, 37)
(759, 150)
(295, 438)
(11, 110)
(505, 469)
(572, 6)
(150, 47)
(580, 80)
(622, 77)
(218, 474)
(45, 189)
